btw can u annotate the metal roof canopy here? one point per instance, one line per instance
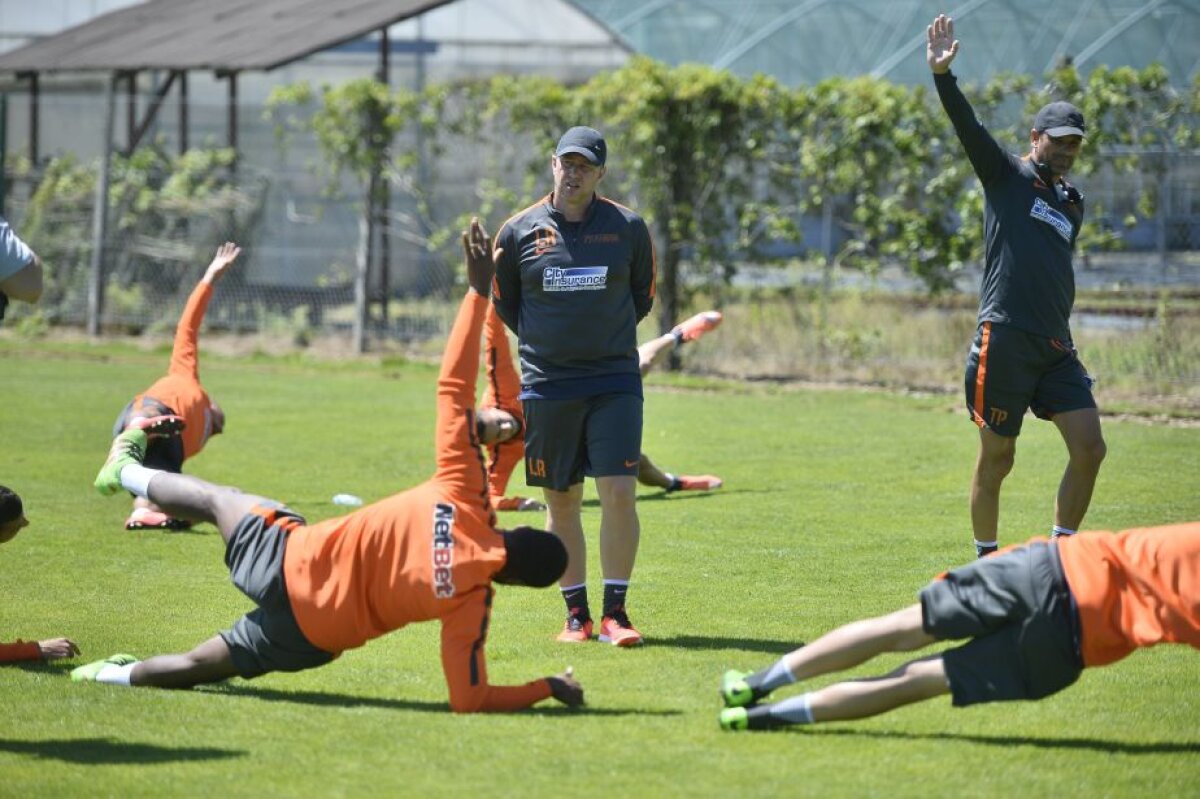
(222, 35)
(178, 36)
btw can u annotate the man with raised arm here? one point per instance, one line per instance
(1022, 357)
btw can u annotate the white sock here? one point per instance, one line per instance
(1057, 531)
(116, 675)
(795, 710)
(777, 676)
(136, 478)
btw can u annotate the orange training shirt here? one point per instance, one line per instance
(503, 389)
(427, 553)
(180, 388)
(1137, 588)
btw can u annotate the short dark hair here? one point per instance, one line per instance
(536, 558)
(10, 505)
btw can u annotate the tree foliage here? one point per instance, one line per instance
(728, 170)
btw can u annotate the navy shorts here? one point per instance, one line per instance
(1009, 371)
(164, 453)
(267, 638)
(1017, 610)
(565, 440)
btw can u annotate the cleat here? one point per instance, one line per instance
(148, 519)
(618, 630)
(157, 426)
(697, 326)
(576, 631)
(703, 482)
(734, 718)
(88, 673)
(735, 691)
(127, 448)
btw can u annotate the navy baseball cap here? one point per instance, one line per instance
(1059, 119)
(586, 142)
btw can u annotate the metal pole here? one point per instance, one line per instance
(183, 111)
(361, 260)
(100, 216)
(3, 149)
(35, 100)
(232, 123)
(385, 200)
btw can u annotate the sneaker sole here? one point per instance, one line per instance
(605, 639)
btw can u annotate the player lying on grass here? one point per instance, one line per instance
(504, 387)
(12, 521)
(179, 393)
(1037, 615)
(431, 552)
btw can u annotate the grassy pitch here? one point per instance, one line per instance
(837, 505)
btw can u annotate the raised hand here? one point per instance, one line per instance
(477, 248)
(227, 253)
(941, 46)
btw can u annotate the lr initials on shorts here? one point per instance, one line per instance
(536, 467)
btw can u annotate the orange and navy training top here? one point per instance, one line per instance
(427, 553)
(180, 388)
(1137, 588)
(503, 390)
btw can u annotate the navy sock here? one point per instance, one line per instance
(614, 596)
(577, 601)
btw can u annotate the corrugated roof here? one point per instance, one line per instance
(225, 35)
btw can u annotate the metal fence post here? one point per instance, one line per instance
(100, 218)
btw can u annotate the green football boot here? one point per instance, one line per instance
(735, 691)
(734, 718)
(88, 673)
(127, 448)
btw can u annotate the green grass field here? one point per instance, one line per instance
(838, 504)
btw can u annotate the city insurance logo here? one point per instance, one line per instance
(575, 278)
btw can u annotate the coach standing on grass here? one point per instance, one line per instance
(1022, 356)
(575, 276)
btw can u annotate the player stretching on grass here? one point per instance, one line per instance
(504, 387)
(179, 393)
(1037, 615)
(1022, 356)
(650, 355)
(431, 552)
(20, 269)
(12, 520)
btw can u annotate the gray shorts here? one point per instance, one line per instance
(164, 453)
(1018, 610)
(267, 638)
(565, 440)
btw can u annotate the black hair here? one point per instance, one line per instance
(10, 505)
(536, 558)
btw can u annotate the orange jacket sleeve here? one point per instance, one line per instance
(464, 636)
(503, 390)
(20, 650)
(185, 355)
(459, 461)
